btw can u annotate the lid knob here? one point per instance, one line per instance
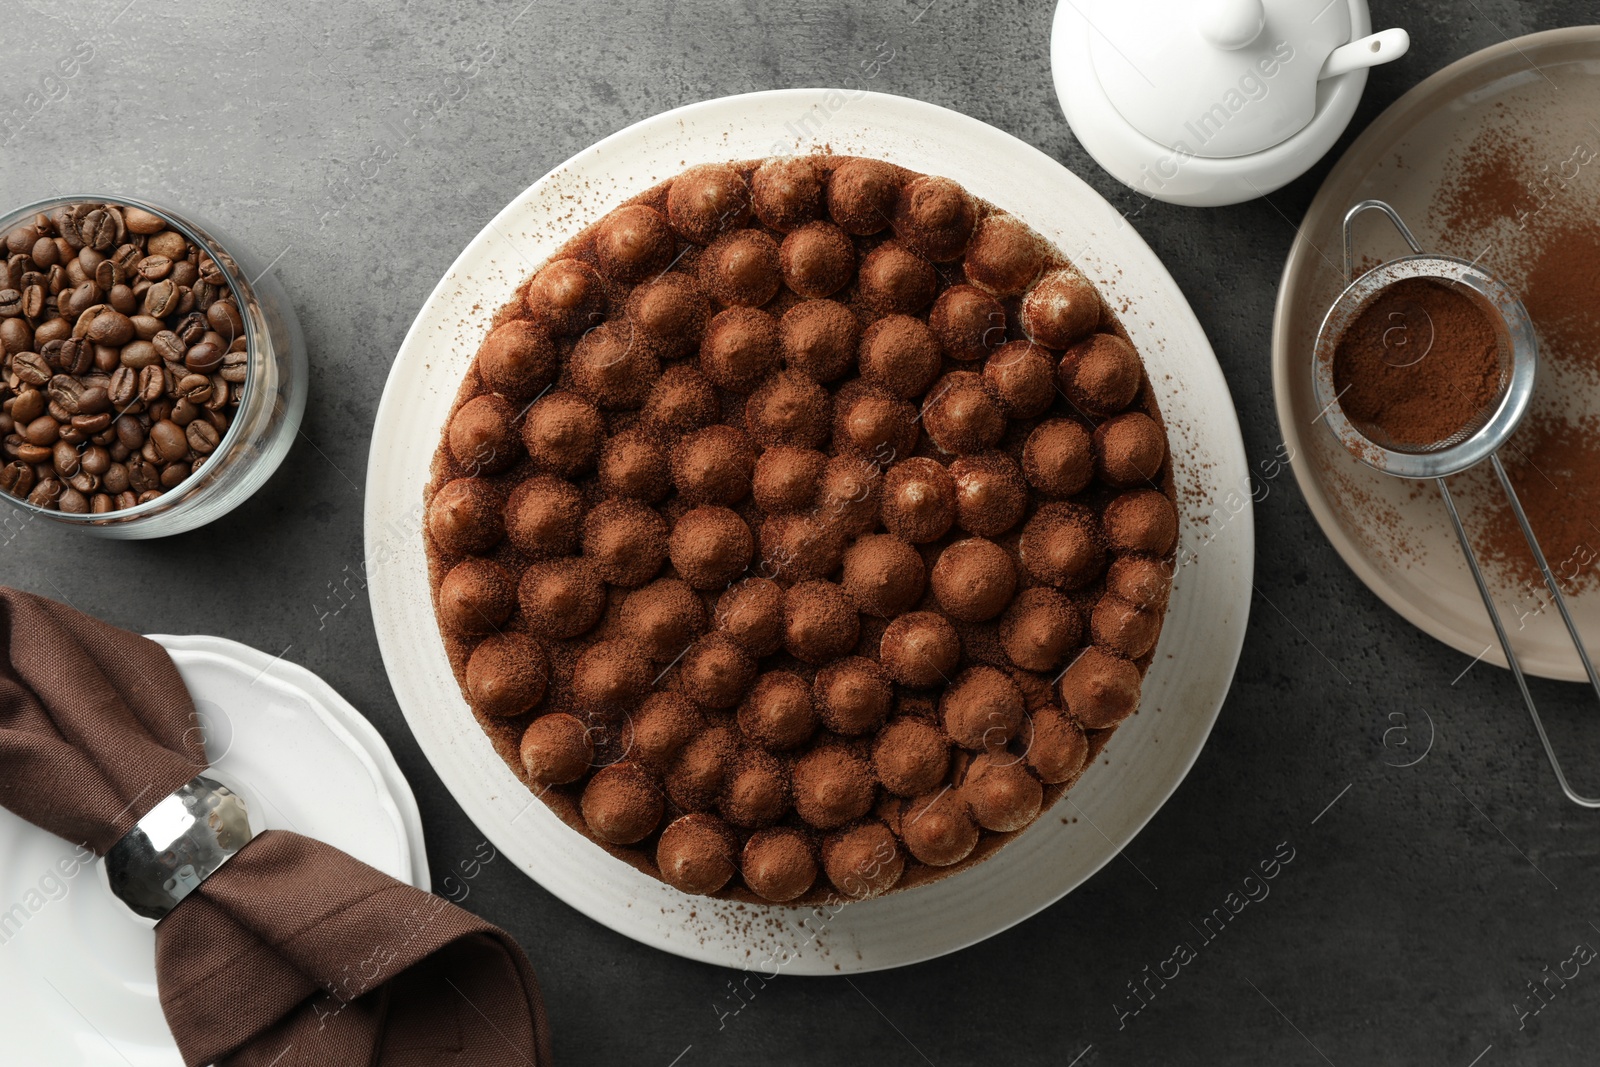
(1231, 24)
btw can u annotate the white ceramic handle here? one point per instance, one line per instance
(1231, 24)
(1366, 52)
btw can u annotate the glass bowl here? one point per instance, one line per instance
(269, 410)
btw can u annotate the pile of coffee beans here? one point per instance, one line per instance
(124, 356)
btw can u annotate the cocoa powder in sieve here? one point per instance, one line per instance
(1419, 363)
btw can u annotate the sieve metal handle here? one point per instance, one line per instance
(1499, 627)
(1349, 230)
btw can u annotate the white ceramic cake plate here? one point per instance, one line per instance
(1199, 646)
(1544, 90)
(77, 968)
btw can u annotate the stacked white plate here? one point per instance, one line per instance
(77, 968)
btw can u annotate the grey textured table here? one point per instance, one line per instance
(1419, 902)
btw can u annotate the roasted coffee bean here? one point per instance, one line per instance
(76, 275)
(28, 405)
(130, 434)
(56, 329)
(138, 355)
(66, 391)
(184, 273)
(65, 459)
(74, 356)
(17, 336)
(142, 474)
(33, 301)
(115, 479)
(174, 473)
(186, 303)
(90, 259)
(145, 327)
(55, 410)
(33, 453)
(168, 438)
(169, 346)
(126, 499)
(100, 504)
(236, 367)
(106, 359)
(195, 388)
(45, 494)
(159, 410)
(123, 299)
(161, 299)
(167, 243)
(16, 478)
(224, 318)
(55, 280)
(218, 397)
(10, 302)
(71, 434)
(22, 238)
(99, 230)
(72, 502)
(110, 327)
(219, 419)
(202, 436)
(95, 460)
(191, 330)
(83, 481)
(92, 424)
(43, 430)
(152, 384)
(109, 274)
(154, 268)
(44, 253)
(93, 400)
(184, 412)
(80, 299)
(31, 368)
(204, 357)
(138, 220)
(127, 257)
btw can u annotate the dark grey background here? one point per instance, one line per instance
(1416, 907)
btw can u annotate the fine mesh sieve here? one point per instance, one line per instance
(1478, 440)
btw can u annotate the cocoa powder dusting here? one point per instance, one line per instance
(1555, 466)
(1539, 215)
(1419, 364)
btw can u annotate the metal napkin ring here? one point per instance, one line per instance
(177, 845)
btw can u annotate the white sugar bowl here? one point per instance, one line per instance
(1209, 102)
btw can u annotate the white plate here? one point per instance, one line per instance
(1193, 664)
(1395, 534)
(77, 967)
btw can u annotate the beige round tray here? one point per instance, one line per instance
(1543, 92)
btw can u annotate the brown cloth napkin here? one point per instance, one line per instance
(293, 954)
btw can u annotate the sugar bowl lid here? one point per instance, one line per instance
(1225, 78)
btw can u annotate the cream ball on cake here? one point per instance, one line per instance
(566, 297)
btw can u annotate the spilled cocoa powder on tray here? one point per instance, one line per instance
(1419, 364)
(1542, 226)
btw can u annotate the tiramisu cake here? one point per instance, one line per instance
(802, 529)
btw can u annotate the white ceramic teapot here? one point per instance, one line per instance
(1216, 101)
